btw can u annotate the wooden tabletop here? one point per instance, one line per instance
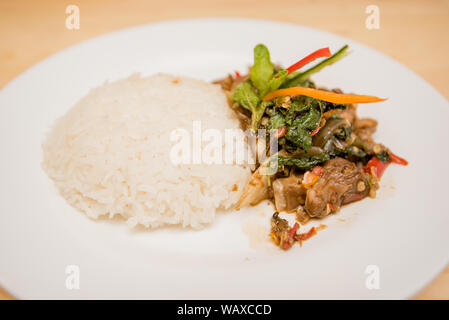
(413, 32)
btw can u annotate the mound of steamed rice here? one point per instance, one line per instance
(109, 155)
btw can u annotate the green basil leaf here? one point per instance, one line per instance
(383, 156)
(245, 95)
(275, 82)
(299, 137)
(262, 70)
(276, 121)
(301, 163)
(310, 120)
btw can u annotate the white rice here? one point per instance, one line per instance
(109, 154)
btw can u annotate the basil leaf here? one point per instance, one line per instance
(275, 82)
(257, 114)
(245, 95)
(295, 108)
(310, 120)
(301, 163)
(299, 137)
(383, 156)
(276, 122)
(262, 70)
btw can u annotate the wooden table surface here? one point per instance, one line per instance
(413, 32)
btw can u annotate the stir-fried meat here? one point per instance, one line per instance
(326, 155)
(364, 129)
(349, 113)
(285, 236)
(229, 83)
(367, 125)
(342, 182)
(289, 193)
(226, 83)
(279, 229)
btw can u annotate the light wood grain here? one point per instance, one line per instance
(411, 31)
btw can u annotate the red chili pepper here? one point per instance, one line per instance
(314, 132)
(318, 170)
(379, 166)
(306, 236)
(320, 53)
(237, 74)
(394, 158)
(281, 132)
(291, 235)
(293, 230)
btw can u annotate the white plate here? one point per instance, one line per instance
(403, 232)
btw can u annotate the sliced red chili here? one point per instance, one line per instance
(281, 132)
(306, 236)
(394, 158)
(378, 166)
(293, 230)
(291, 235)
(320, 53)
(314, 132)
